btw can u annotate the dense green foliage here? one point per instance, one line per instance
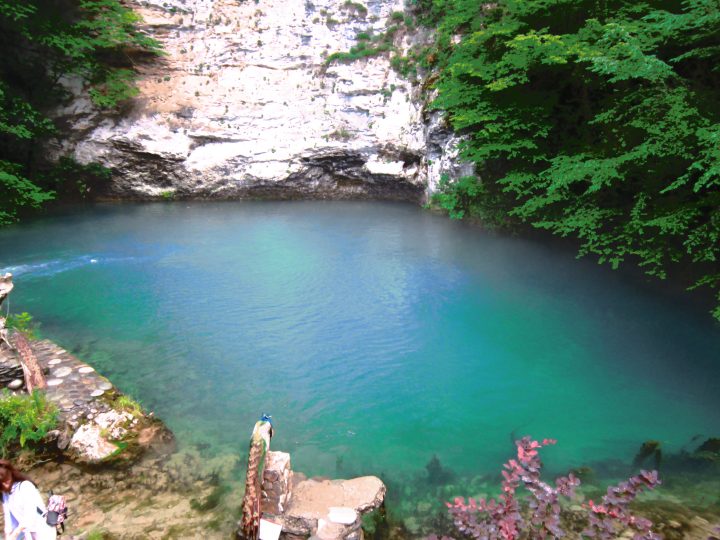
(24, 323)
(42, 41)
(593, 119)
(24, 418)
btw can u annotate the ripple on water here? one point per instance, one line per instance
(416, 334)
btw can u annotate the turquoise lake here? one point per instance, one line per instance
(376, 334)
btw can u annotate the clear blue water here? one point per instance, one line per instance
(375, 334)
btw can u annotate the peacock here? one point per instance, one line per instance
(259, 446)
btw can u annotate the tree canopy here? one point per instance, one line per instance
(43, 41)
(593, 119)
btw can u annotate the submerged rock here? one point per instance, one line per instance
(711, 445)
(649, 451)
(436, 473)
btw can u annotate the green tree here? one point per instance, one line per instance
(41, 42)
(594, 119)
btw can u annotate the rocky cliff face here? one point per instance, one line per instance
(244, 105)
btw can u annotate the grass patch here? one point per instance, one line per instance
(98, 534)
(341, 134)
(356, 7)
(370, 44)
(361, 50)
(127, 404)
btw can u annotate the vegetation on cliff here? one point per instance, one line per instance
(43, 43)
(597, 120)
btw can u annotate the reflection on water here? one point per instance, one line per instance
(378, 335)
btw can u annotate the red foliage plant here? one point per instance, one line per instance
(502, 519)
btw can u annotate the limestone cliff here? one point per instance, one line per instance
(244, 105)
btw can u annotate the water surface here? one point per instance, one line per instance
(375, 334)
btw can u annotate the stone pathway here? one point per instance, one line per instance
(74, 386)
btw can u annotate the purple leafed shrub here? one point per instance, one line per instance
(604, 518)
(502, 518)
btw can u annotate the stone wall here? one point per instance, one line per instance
(321, 508)
(277, 483)
(96, 423)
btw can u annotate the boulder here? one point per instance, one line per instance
(102, 438)
(711, 445)
(114, 423)
(90, 446)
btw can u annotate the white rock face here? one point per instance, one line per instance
(90, 445)
(114, 423)
(92, 442)
(243, 105)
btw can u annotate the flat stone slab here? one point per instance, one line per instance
(330, 509)
(62, 372)
(315, 498)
